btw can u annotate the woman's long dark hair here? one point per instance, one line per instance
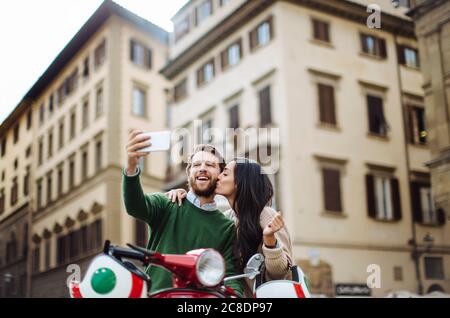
(254, 191)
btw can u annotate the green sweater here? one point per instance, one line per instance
(177, 229)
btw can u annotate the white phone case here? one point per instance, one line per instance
(160, 141)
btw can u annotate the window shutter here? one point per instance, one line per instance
(234, 117)
(149, 58)
(416, 204)
(364, 47)
(332, 190)
(253, 39)
(265, 111)
(224, 59)
(410, 127)
(396, 201)
(200, 78)
(370, 194)
(382, 46)
(326, 104)
(316, 31)
(240, 49)
(271, 28)
(372, 114)
(132, 44)
(326, 32)
(401, 54)
(441, 216)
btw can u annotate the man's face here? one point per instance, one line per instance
(203, 174)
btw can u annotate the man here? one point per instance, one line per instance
(179, 228)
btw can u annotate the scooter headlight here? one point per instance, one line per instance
(210, 268)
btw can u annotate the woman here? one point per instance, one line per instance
(260, 229)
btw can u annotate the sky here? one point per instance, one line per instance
(33, 32)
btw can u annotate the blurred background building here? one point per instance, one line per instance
(360, 130)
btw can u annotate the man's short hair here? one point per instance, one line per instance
(206, 148)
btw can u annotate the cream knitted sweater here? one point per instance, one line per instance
(277, 260)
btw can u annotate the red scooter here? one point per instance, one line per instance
(197, 274)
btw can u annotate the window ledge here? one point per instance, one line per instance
(329, 127)
(260, 46)
(412, 68)
(374, 57)
(431, 225)
(334, 214)
(420, 146)
(385, 220)
(378, 137)
(322, 43)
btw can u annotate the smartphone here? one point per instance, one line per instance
(160, 141)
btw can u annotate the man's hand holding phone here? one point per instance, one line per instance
(136, 141)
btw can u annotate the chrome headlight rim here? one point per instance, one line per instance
(201, 259)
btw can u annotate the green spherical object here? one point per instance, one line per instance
(103, 280)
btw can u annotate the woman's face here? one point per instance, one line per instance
(226, 185)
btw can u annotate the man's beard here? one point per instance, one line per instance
(203, 193)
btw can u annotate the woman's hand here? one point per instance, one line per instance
(269, 231)
(176, 194)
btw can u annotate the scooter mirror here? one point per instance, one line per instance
(254, 264)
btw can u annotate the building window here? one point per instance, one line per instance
(383, 197)
(408, 56)
(140, 54)
(232, 55)
(3, 147)
(72, 172)
(141, 233)
(84, 164)
(417, 125)
(36, 259)
(16, 133)
(180, 90)
(29, 119)
(16, 164)
(331, 179)
(99, 102)
(61, 135)
(434, 268)
(50, 105)
(98, 155)
(233, 113)
(262, 34)
(424, 210)
(60, 181)
(86, 68)
(50, 143)
(41, 114)
(265, 106)
(96, 234)
(321, 30)
(61, 248)
(28, 152)
(14, 191)
(26, 182)
(139, 102)
(377, 121)
(398, 274)
(100, 54)
(2, 201)
(203, 11)
(85, 121)
(73, 124)
(373, 45)
(47, 254)
(49, 187)
(204, 131)
(181, 28)
(40, 151)
(39, 193)
(327, 104)
(206, 73)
